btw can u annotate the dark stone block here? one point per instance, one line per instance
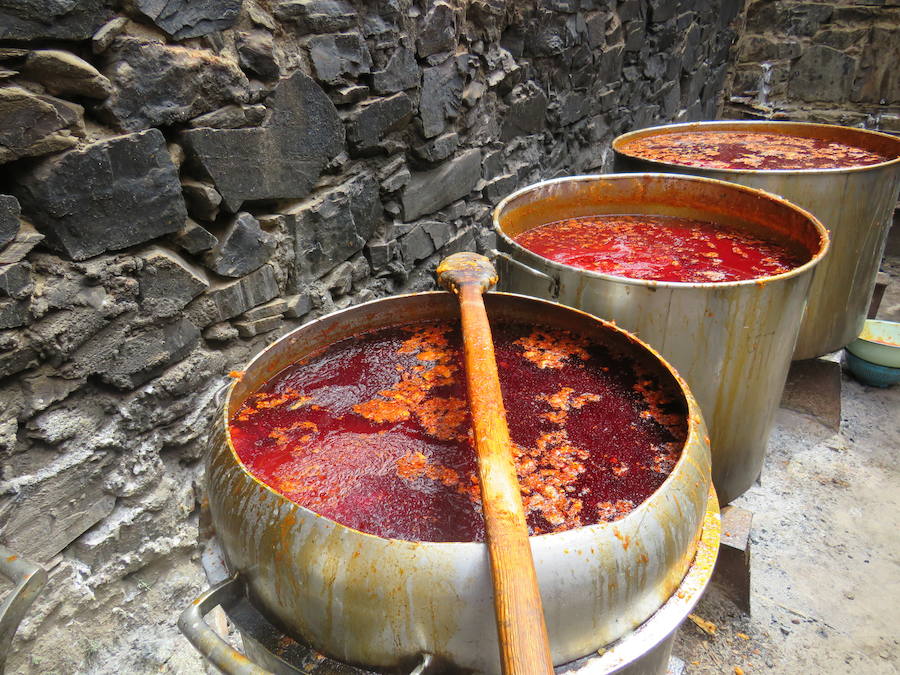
(52, 19)
(194, 238)
(256, 54)
(280, 160)
(184, 19)
(242, 248)
(401, 72)
(13, 313)
(416, 245)
(428, 191)
(441, 97)
(107, 196)
(438, 31)
(61, 72)
(156, 84)
(317, 16)
(231, 117)
(822, 74)
(202, 199)
(500, 187)
(146, 354)
(336, 56)
(334, 225)
(438, 149)
(226, 300)
(30, 126)
(9, 219)
(167, 282)
(15, 280)
(372, 121)
(527, 112)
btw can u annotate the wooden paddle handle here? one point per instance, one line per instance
(524, 645)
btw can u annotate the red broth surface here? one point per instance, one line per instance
(374, 432)
(750, 150)
(660, 248)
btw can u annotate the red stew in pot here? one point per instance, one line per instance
(374, 431)
(660, 248)
(750, 150)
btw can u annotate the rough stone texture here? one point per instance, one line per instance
(156, 84)
(50, 19)
(242, 248)
(332, 227)
(339, 56)
(135, 195)
(827, 62)
(280, 160)
(64, 73)
(9, 219)
(328, 152)
(30, 125)
(373, 120)
(190, 18)
(428, 191)
(401, 72)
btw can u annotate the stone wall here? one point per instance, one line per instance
(186, 181)
(833, 62)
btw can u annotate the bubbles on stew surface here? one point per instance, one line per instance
(374, 431)
(659, 248)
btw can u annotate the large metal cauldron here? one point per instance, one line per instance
(732, 342)
(383, 603)
(854, 204)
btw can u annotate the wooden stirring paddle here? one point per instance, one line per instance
(524, 646)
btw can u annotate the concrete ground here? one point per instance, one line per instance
(825, 550)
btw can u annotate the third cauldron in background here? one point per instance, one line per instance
(731, 341)
(854, 200)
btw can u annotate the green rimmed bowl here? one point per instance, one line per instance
(879, 343)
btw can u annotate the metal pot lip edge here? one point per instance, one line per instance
(695, 424)
(824, 236)
(662, 129)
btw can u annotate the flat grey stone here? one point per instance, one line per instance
(30, 126)
(223, 301)
(15, 280)
(248, 329)
(280, 160)
(135, 195)
(369, 123)
(256, 54)
(156, 84)
(317, 16)
(438, 149)
(147, 353)
(428, 191)
(190, 18)
(202, 200)
(527, 112)
(441, 97)
(9, 219)
(104, 37)
(401, 72)
(231, 117)
(242, 248)
(337, 56)
(275, 308)
(168, 282)
(52, 19)
(438, 30)
(18, 248)
(298, 305)
(822, 74)
(194, 238)
(62, 72)
(334, 225)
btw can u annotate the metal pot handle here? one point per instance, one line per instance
(529, 281)
(29, 578)
(218, 652)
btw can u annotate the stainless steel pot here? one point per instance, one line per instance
(383, 603)
(732, 342)
(855, 205)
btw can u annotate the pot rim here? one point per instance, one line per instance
(694, 420)
(775, 125)
(824, 237)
